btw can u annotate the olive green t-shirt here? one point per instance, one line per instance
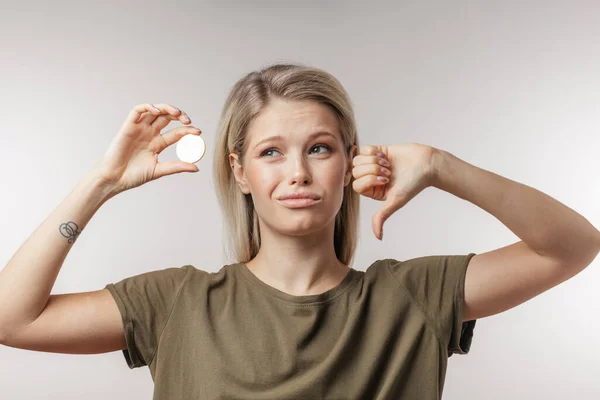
(383, 333)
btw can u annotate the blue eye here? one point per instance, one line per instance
(316, 146)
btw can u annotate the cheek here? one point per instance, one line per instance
(336, 174)
(263, 179)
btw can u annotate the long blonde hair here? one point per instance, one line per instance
(245, 100)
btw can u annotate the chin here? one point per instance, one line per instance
(302, 225)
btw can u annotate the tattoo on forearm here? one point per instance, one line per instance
(70, 231)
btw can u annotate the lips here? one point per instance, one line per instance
(299, 203)
(306, 195)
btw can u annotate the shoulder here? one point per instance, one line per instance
(428, 264)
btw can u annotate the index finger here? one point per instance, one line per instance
(139, 110)
(370, 150)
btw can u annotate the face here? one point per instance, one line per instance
(302, 159)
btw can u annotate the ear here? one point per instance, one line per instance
(239, 173)
(352, 152)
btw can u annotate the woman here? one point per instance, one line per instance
(291, 319)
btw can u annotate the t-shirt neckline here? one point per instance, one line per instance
(348, 281)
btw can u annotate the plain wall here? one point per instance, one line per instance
(511, 87)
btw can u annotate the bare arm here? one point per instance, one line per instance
(27, 280)
(86, 322)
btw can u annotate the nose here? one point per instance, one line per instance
(300, 173)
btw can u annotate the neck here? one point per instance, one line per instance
(299, 265)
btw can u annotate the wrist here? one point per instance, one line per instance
(102, 189)
(438, 162)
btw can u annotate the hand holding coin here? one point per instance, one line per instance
(132, 157)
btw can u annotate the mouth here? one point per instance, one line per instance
(303, 195)
(299, 203)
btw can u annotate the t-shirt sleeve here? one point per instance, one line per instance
(437, 285)
(145, 302)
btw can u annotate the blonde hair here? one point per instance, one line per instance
(245, 100)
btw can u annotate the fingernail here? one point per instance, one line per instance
(382, 179)
(381, 155)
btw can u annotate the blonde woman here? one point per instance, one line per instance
(291, 318)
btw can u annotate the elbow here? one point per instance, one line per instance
(594, 251)
(584, 255)
(597, 251)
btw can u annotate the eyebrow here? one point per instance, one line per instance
(312, 135)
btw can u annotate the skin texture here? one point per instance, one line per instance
(297, 254)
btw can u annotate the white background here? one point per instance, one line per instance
(512, 87)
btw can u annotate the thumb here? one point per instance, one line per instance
(391, 205)
(174, 167)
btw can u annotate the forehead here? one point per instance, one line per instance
(292, 117)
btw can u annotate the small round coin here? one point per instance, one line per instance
(190, 148)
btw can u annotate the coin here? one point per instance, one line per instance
(190, 148)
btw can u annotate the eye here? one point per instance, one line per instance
(322, 145)
(314, 147)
